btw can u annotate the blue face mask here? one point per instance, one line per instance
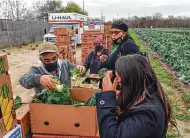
(51, 66)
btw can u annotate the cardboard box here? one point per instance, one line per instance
(87, 45)
(65, 119)
(58, 44)
(23, 118)
(60, 31)
(94, 36)
(3, 64)
(55, 136)
(63, 49)
(86, 36)
(65, 39)
(2, 128)
(72, 32)
(88, 41)
(7, 114)
(92, 32)
(16, 132)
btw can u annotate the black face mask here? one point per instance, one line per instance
(117, 41)
(98, 48)
(51, 67)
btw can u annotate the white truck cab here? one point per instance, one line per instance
(50, 37)
(69, 20)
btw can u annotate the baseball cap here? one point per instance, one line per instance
(98, 40)
(120, 25)
(48, 47)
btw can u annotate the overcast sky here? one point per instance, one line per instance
(123, 8)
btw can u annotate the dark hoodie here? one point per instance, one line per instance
(126, 46)
(146, 120)
(93, 63)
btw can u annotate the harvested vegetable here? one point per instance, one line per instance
(2, 68)
(75, 74)
(92, 100)
(17, 102)
(102, 73)
(60, 96)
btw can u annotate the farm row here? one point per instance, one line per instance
(173, 45)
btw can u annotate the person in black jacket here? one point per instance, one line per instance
(123, 44)
(93, 61)
(138, 107)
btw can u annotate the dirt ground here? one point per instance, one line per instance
(20, 60)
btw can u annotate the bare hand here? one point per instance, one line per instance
(103, 58)
(48, 82)
(106, 83)
(81, 68)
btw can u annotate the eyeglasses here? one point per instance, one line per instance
(47, 61)
(115, 32)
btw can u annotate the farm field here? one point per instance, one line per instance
(173, 45)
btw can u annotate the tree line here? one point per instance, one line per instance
(157, 21)
(16, 10)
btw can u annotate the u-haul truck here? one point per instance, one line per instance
(69, 20)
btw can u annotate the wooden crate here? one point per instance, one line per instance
(60, 31)
(64, 39)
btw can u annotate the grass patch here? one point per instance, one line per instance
(172, 135)
(161, 73)
(138, 41)
(186, 98)
(177, 113)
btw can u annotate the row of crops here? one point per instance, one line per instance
(174, 47)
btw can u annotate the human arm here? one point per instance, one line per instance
(79, 67)
(33, 78)
(139, 124)
(87, 61)
(135, 126)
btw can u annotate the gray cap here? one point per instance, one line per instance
(48, 47)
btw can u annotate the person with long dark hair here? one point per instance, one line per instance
(138, 108)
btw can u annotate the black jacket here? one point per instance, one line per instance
(93, 63)
(127, 46)
(147, 120)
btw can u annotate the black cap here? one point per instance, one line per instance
(120, 25)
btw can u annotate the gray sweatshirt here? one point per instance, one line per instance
(32, 78)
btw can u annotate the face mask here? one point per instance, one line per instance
(98, 48)
(51, 67)
(117, 41)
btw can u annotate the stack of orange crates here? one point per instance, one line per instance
(64, 43)
(107, 36)
(87, 45)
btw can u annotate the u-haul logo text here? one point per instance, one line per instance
(60, 17)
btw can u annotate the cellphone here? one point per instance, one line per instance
(114, 76)
(112, 79)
